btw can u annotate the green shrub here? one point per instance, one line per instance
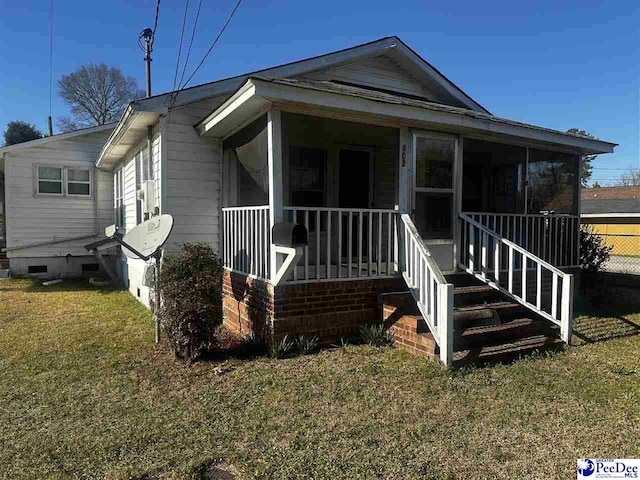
(594, 253)
(375, 334)
(280, 349)
(306, 345)
(191, 290)
(252, 345)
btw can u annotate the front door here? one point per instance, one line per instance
(433, 200)
(355, 173)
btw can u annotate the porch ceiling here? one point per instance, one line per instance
(257, 95)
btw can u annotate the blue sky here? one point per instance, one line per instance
(559, 64)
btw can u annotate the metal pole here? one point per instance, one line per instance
(50, 126)
(157, 303)
(147, 59)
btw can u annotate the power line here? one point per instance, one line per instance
(155, 23)
(193, 34)
(184, 21)
(213, 44)
(50, 67)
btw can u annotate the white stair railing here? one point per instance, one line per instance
(490, 257)
(432, 293)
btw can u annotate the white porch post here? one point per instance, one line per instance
(445, 323)
(566, 315)
(404, 176)
(274, 135)
(404, 191)
(457, 202)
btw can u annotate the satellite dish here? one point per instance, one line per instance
(145, 239)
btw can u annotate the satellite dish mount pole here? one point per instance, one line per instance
(156, 313)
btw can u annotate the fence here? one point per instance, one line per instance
(625, 255)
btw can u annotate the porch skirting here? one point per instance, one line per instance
(329, 310)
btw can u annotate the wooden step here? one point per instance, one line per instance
(482, 336)
(506, 351)
(475, 295)
(490, 313)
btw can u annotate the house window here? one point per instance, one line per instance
(307, 167)
(142, 175)
(78, 182)
(50, 180)
(118, 188)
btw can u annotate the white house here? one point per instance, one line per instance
(56, 201)
(402, 180)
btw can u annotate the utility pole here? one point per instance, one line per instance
(146, 36)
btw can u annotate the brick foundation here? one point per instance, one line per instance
(329, 310)
(247, 304)
(407, 329)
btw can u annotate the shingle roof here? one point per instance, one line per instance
(611, 200)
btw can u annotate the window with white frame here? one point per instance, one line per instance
(63, 181)
(118, 189)
(78, 182)
(50, 180)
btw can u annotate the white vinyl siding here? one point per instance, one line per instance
(131, 172)
(379, 72)
(193, 176)
(33, 218)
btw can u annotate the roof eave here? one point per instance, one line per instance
(270, 92)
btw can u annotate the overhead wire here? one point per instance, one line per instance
(212, 45)
(193, 34)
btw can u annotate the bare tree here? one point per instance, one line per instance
(631, 178)
(96, 94)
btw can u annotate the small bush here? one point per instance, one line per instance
(280, 349)
(594, 253)
(191, 289)
(306, 345)
(375, 335)
(252, 345)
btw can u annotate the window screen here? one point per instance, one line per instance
(50, 180)
(78, 182)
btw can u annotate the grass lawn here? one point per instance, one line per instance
(84, 393)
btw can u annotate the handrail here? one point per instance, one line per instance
(430, 290)
(345, 243)
(515, 246)
(433, 266)
(502, 214)
(485, 271)
(331, 209)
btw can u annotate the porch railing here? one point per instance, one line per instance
(518, 272)
(553, 238)
(345, 243)
(247, 240)
(432, 293)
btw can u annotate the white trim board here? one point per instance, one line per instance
(257, 93)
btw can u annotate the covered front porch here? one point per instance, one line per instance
(392, 188)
